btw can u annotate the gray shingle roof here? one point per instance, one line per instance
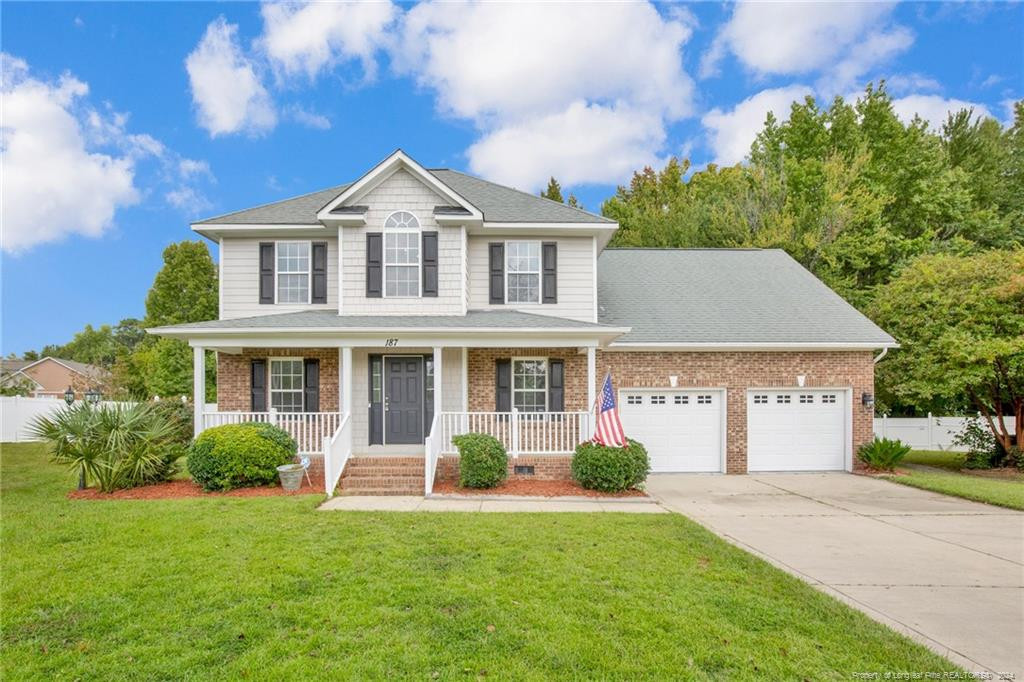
(498, 203)
(723, 296)
(329, 319)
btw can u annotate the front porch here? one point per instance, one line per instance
(372, 402)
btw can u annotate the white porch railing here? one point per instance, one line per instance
(337, 450)
(522, 433)
(431, 453)
(309, 429)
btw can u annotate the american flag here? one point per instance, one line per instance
(609, 427)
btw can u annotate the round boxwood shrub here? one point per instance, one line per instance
(239, 455)
(610, 469)
(483, 462)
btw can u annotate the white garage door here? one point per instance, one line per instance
(802, 430)
(682, 430)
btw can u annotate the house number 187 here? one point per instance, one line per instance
(390, 343)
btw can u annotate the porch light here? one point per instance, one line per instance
(69, 395)
(673, 380)
(800, 379)
(867, 400)
(92, 396)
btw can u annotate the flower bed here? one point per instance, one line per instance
(532, 489)
(172, 490)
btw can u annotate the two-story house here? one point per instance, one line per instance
(380, 318)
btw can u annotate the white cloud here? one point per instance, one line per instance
(583, 144)
(533, 76)
(901, 83)
(878, 48)
(226, 89)
(934, 109)
(68, 168)
(730, 133)
(53, 186)
(308, 118)
(792, 37)
(308, 38)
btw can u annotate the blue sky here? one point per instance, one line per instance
(123, 122)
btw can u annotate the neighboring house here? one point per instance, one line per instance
(382, 317)
(51, 377)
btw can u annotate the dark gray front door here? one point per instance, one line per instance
(403, 399)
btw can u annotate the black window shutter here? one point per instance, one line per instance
(374, 264)
(258, 385)
(556, 386)
(496, 252)
(503, 386)
(311, 385)
(319, 283)
(266, 272)
(549, 269)
(430, 263)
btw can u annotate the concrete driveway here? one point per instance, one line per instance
(947, 572)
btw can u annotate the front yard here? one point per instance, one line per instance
(1004, 489)
(267, 588)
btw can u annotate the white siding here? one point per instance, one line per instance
(401, 191)
(240, 279)
(575, 278)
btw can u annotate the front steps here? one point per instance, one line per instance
(382, 476)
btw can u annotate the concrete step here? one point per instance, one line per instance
(384, 471)
(350, 492)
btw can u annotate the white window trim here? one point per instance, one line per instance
(539, 273)
(309, 271)
(547, 379)
(270, 381)
(384, 254)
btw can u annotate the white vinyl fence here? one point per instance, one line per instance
(927, 433)
(17, 413)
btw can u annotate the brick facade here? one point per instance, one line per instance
(234, 378)
(736, 372)
(481, 370)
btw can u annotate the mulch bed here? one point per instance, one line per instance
(532, 489)
(173, 490)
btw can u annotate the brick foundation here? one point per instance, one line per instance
(546, 468)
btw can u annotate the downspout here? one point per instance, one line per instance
(881, 355)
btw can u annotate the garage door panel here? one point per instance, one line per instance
(682, 430)
(802, 430)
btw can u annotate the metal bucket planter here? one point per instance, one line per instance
(291, 476)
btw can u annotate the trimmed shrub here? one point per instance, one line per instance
(239, 455)
(883, 453)
(483, 462)
(610, 469)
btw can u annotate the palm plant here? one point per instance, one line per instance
(112, 446)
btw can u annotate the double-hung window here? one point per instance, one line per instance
(530, 384)
(522, 270)
(293, 265)
(286, 384)
(401, 255)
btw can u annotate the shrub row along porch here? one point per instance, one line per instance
(408, 401)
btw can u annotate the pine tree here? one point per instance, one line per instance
(553, 192)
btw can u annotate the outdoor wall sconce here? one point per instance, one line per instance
(800, 379)
(69, 395)
(867, 400)
(673, 380)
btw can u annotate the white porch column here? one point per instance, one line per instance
(591, 388)
(345, 381)
(437, 380)
(198, 388)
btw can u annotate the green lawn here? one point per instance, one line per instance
(268, 588)
(948, 479)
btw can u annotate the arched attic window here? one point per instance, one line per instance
(401, 254)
